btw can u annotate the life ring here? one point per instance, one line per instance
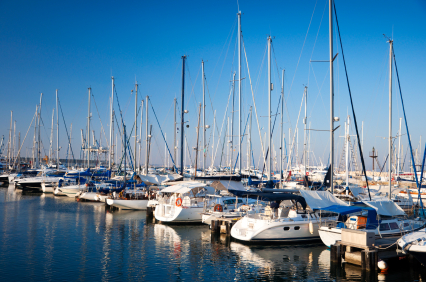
(218, 208)
(307, 173)
(179, 202)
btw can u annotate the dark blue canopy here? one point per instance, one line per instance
(344, 210)
(269, 196)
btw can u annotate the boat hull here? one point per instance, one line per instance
(167, 213)
(128, 204)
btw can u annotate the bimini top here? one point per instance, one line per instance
(385, 207)
(182, 189)
(270, 196)
(318, 200)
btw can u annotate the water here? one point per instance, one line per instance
(48, 238)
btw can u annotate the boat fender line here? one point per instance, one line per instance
(218, 208)
(179, 202)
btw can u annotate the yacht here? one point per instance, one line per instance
(182, 203)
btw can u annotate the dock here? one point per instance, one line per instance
(362, 248)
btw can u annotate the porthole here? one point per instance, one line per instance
(296, 227)
(286, 228)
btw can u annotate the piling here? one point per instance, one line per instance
(215, 226)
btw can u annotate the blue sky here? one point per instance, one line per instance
(70, 46)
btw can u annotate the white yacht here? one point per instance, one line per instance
(383, 217)
(182, 203)
(280, 223)
(415, 244)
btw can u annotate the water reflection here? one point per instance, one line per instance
(44, 237)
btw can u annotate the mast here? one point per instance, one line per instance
(399, 149)
(39, 132)
(140, 138)
(232, 123)
(196, 148)
(204, 116)
(136, 124)
(51, 135)
(269, 109)
(182, 120)
(282, 130)
(174, 139)
(249, 158)
(214, 127)
(330, 22)
(111, 127)
(305, 135)
(147, 136)
(34, 141)
(347, 127)
(57, 131)
(9, 144)
(390, 117)
(88, 132)
(239, 91)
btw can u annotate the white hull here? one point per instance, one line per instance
(284, 230)
(167, 213)
(70, 191)
(128, 204)
(89, 196)
(47, 188)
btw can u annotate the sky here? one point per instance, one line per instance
(71, 46)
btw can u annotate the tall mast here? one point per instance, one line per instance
(282, 130)
(182, 119)
(232, 123)
(239, 91)
(305, 141)
(330, 22)
(269, 109)
(204, 116)
(9, 144)
(88, 132)
(399, 149)
(347, 127)
(214, 127)
(140, 138)
(174, 139)
(51, 135)
(147, 137)
(57, 130)
(111, 127)
(390, 117)
(136, 125)
(39, 132)
(34, 141)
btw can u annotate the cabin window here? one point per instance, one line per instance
(240, 201)
(384, 227)
(393, 225)
(406, 224)
(286, 228)
(296, 227)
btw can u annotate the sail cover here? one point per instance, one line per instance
(227, 185)
(385, 207)
(321, 199)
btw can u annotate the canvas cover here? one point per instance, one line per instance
(181, 189)
(385, 207)
(225, 185)
(151, 179)
(321, 199)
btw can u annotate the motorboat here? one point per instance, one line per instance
(414, 243)
(182, 203)
(383, 217)
(281, 221)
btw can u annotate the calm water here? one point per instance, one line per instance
(47, 238)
